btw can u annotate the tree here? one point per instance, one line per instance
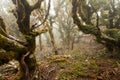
(48, 24)
(109, 37)
(63, 21)
(22, 50)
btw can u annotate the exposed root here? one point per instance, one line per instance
(25, 66)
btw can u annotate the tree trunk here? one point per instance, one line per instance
(52, 38)
(40, 42)
(53, 42)
(72, 43)
(110, 37)
(28, 61)
(27, 58)
(111, 16)
(23, 51)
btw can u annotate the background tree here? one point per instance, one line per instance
(63, 23)
(109, 37)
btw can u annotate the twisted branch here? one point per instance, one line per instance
(46, 16)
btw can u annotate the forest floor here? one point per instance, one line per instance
(87, 62)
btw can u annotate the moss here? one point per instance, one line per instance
(78, 69)
(58, 58)
(88, 29)
(114, 33)
(7, 56)
(29, 38)
(8, 45)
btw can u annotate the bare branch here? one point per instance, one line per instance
(36, 5)
(14, 2)
(97, 19)
(74, 14)
(25, 3)
(2, 24)
(4, 33)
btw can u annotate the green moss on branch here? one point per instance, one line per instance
(113, 33)
(11, 45)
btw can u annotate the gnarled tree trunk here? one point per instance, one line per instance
(23, 51)
(110, 37)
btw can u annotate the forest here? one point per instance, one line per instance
(59, 39)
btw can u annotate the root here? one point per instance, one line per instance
(25, 66)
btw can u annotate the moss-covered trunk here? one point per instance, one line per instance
(23, 51)
(28, 61)
(110, 37)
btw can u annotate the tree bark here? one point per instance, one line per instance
(25, 51)
(40, 42)
(52, 39)
(110, 37)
